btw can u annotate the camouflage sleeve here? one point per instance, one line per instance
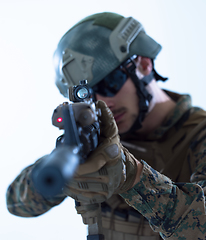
(197, 158)
(176, 211)
(23, 200)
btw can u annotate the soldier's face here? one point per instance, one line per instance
(124, 106)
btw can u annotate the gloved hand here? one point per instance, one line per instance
(110, 169)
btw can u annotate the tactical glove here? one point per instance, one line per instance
(110, 169)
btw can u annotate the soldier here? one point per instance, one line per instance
(149, 170)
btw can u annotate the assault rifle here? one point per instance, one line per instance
(79, 119)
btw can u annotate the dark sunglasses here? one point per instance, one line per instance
(111, 84)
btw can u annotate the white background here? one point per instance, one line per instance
(29, 33)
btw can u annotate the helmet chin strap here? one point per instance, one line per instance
(143, 95)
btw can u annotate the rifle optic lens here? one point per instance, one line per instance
(82, 93)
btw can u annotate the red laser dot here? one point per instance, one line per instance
(59, 119)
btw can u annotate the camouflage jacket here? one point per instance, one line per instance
(171, 191)
(173, 182)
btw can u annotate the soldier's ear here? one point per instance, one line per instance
(144, 65)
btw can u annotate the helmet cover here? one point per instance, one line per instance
(97, 45)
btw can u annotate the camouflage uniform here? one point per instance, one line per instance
(169, 197)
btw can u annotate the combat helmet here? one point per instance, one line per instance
(97, 45)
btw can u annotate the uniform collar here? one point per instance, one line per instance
(183, 104)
